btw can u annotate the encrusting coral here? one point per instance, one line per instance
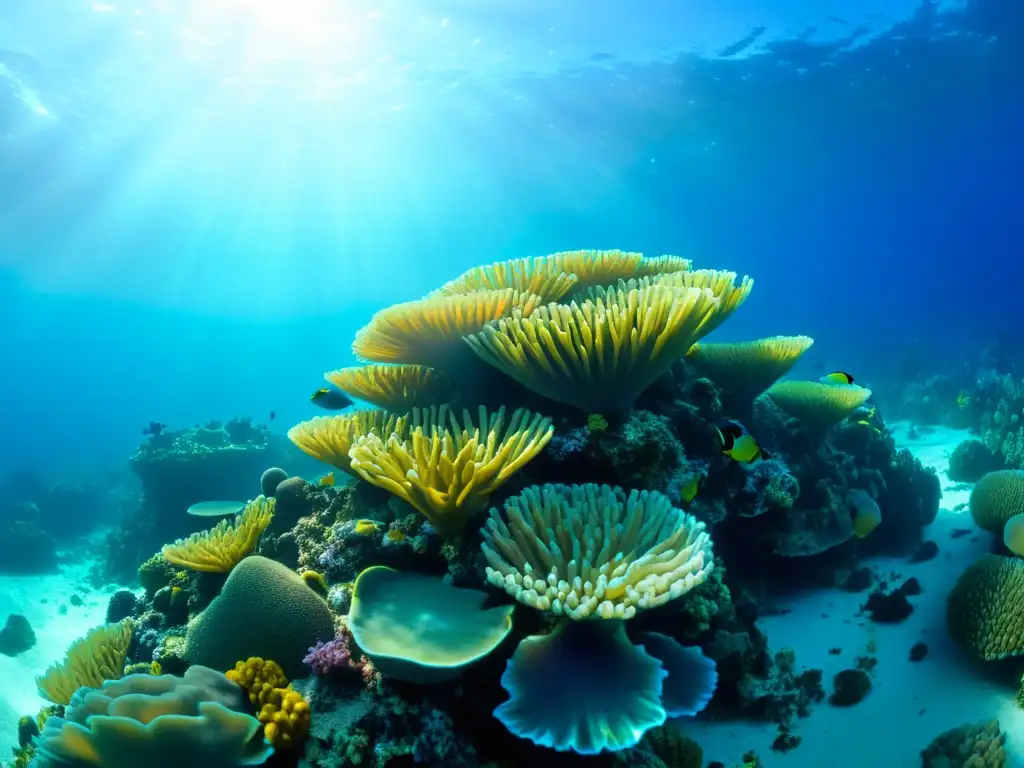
(90, 660)
(448, 470)
(221, 548)
(589, 550)
(330, 438)
(600, 354)
(983, 609)
(394, 387)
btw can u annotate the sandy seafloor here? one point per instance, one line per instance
(910, 703)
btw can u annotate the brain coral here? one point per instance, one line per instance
(265, 609)
(983, 608)
(156, 721)
(996, 498)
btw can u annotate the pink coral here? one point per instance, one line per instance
(330, 658)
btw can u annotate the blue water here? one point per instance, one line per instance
(201, 202)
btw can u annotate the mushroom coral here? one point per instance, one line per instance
(592, 552)
(600, 354)
(743, 370)
(419, 629)
(446, 469)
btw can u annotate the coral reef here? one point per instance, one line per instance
(978, 745)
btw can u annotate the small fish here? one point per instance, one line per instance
(837, 377)
(864, 423)
(865, 513)
(740, 445)
(273, 415)
(690, 488)
(327, 479)
(330, 399)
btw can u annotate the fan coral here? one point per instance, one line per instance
(429, 331)
(600, 354)
(591, 550)
(394, 387)
(329, 438)
(448, 471)
(983, 608)
(90, 660)
(157, 721)
(996, 498)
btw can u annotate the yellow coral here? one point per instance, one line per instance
(258, 677)
(429, 331)
(221, 548)
(747, 368)
(366, 527)
(285, 716)
(818, 406)
(88, 662)
(448, 470)
(997, 497)
(541, 276)
(316, 581)
(394, 387)
(662, 265)
(330, 438)
(591, 550)
(598, 355)
(983, 610)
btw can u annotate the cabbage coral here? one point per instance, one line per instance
(221, 548)
(541, 276)
(590, 550)
(600, 354)
(448, 470)
(429, 331)
(329, 438)
(394, 387)
(90, 660)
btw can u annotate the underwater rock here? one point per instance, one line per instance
(888, 608)
(928, 550)
(911, 587)
(858, 580)
(16, 636)
(122, 605)
(971, 460)
(849, 687)
(294, 500)
(919, 651)
(271, 479)
(783, 695)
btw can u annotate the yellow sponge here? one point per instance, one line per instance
(285, 718)
(258, 677)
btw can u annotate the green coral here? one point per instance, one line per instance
(156, 573)
(782, 491)
(596, 423)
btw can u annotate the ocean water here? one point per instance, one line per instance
(202, 202)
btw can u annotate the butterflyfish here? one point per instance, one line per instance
(837, 377)
(1013, 535)
(690, 488)
(330, 399)
(740, 445)
(865, 513)
(327, 479)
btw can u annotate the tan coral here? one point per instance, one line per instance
(818, 406)
(221, 548)
(90, 660)
(745, 369)
(584, 551)
(394, 387)
(329, 438)
(600, 354)
(446, 469)
(429, 331)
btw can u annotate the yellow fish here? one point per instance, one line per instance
(837, 377)
(327, 479)
(740, 445)
(690, 488)
(865, 513)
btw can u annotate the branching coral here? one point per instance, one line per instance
(394, 387)
(590, 550)
(88, 662)
(329, 438)
(448, 470)
(600, 354)
(221, 548)
(429, 331)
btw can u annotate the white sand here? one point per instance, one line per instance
(910, 703)
(54, 633)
